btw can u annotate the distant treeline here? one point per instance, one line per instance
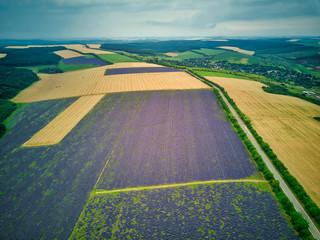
(30, 56)
(260, 45)
(13, 80)
(278, 89)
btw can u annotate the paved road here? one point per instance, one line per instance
(313, 229)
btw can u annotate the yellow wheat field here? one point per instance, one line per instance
(94, 45)
(2, 55)
(93, 81)
(132, 65)
(84, 49)
(287, 124)
(236, 49)
(59, 127)
(171, 54)
(68, 54)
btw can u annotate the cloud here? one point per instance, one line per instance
(110, 18)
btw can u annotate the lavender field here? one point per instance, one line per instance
(116, 71)
(44, 189)
(83, 61)
(215, 211)
(130, 139)
(175, 137)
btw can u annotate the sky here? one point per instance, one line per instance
(68, 19)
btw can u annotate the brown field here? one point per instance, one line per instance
(171, 54)
(59, 127)
(286, 124)
(92, 81)
(2, 55)
(236, 49)
(84, 49)
(94, 45)
(68, 54)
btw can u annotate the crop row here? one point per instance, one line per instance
(214, 211)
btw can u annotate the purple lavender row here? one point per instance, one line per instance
(83, 60)
(117, 71)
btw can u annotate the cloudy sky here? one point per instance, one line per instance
(156, 18)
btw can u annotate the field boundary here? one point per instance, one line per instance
(59, 127)
(173, 185)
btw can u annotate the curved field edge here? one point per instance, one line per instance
(296, 218)
(234, 210)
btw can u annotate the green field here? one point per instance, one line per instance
(218, 74)
(188, 55)
(115, 58)
(234, 57)
(68, 68)
(209, 52)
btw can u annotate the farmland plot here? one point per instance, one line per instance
(174, 137)
(94, 45)
(286, 124)
(68, 54)
(214, 211)
(44, 189)
(59, 127)
(83, 49)
(236, 49)
(115, 71)
(82, 60)
(93, 81)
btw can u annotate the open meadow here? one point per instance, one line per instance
(286, 124)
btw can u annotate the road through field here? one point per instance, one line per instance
(313, 229)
